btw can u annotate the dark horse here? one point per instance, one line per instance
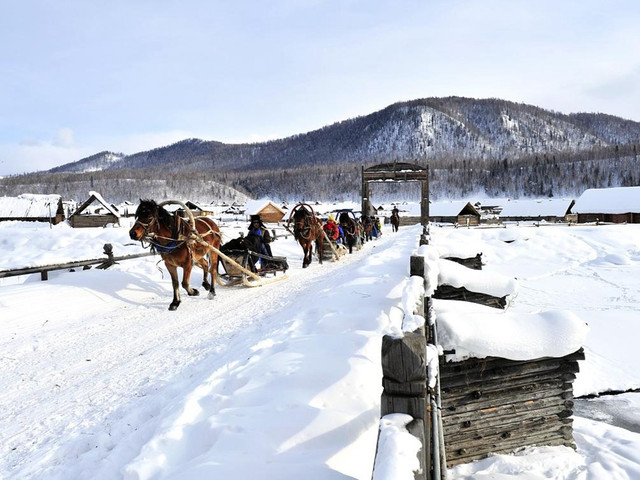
(395, 221)
(367, 228)
(307, 229)
(350, 230)
(178, 245)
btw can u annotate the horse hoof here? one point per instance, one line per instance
(174, 306)
(211, 295)
(305, 266)
(194, 292)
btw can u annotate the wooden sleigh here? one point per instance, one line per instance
(241, 266)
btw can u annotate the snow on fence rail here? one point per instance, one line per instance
(101, 262)
(484, 381)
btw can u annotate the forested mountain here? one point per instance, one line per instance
(491, 145)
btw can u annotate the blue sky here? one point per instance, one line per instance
(81, 76)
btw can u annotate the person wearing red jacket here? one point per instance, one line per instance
(331, 229)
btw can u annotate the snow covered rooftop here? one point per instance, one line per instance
(608, 200)
(447, 209)
(29, 206)
(547, 207)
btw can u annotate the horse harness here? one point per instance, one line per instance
(177, 238)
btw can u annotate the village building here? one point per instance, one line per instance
(95, 212)
(32, 208)
(546, 209)
(615, 205)
(268, 211)
(459, 213)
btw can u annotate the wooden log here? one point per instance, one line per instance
(447, 292)
(487, 363)
(460, 424)
(474, 392)
(457, 457)
(478, 432)
(509, 396)
(417, 266)
(506, 372)
(490, 441)
(563, 407)
(475, 263)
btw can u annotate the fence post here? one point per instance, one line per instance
(404, 383)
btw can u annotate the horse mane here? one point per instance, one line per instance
(345, 218)
(165, 218)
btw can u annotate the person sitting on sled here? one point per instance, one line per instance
(259, 235)
(332, 229)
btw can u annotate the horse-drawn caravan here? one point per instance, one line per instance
(183, 242)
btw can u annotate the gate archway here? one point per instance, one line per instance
(398, 172)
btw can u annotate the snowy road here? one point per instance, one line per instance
(90, 359)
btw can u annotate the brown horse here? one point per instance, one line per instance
(178, 245)
(395, 221)
(367, 228)
(307, 229)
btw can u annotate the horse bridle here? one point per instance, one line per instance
(146, 226)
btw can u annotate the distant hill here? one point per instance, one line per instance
(489, 145)
(99, 161)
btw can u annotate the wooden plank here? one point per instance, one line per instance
(404, 359)
(414, 406)
(475, 263)
(447, 292)
(43, 269)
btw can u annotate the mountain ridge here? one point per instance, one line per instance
(497, 146)
(423, 129)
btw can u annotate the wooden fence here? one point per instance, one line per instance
(477, 406)
(101, 263)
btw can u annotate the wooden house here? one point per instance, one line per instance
(546, 209)
(615, 205)
(460, 213)
(94, 212)
(269, 212)
(32, 208)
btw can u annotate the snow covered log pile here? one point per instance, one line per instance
(505, 380)
(466, 379)
(495, 405)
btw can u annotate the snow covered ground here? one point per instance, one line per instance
(99, 380)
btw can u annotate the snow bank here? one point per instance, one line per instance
(431, 256)
(397, 456)
(412, 296)
(477, 331)
(494, 284)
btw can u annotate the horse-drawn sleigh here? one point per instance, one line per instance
(184, 242)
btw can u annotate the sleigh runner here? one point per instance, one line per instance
(241, 265)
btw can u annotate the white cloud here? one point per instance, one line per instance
(63, 137)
